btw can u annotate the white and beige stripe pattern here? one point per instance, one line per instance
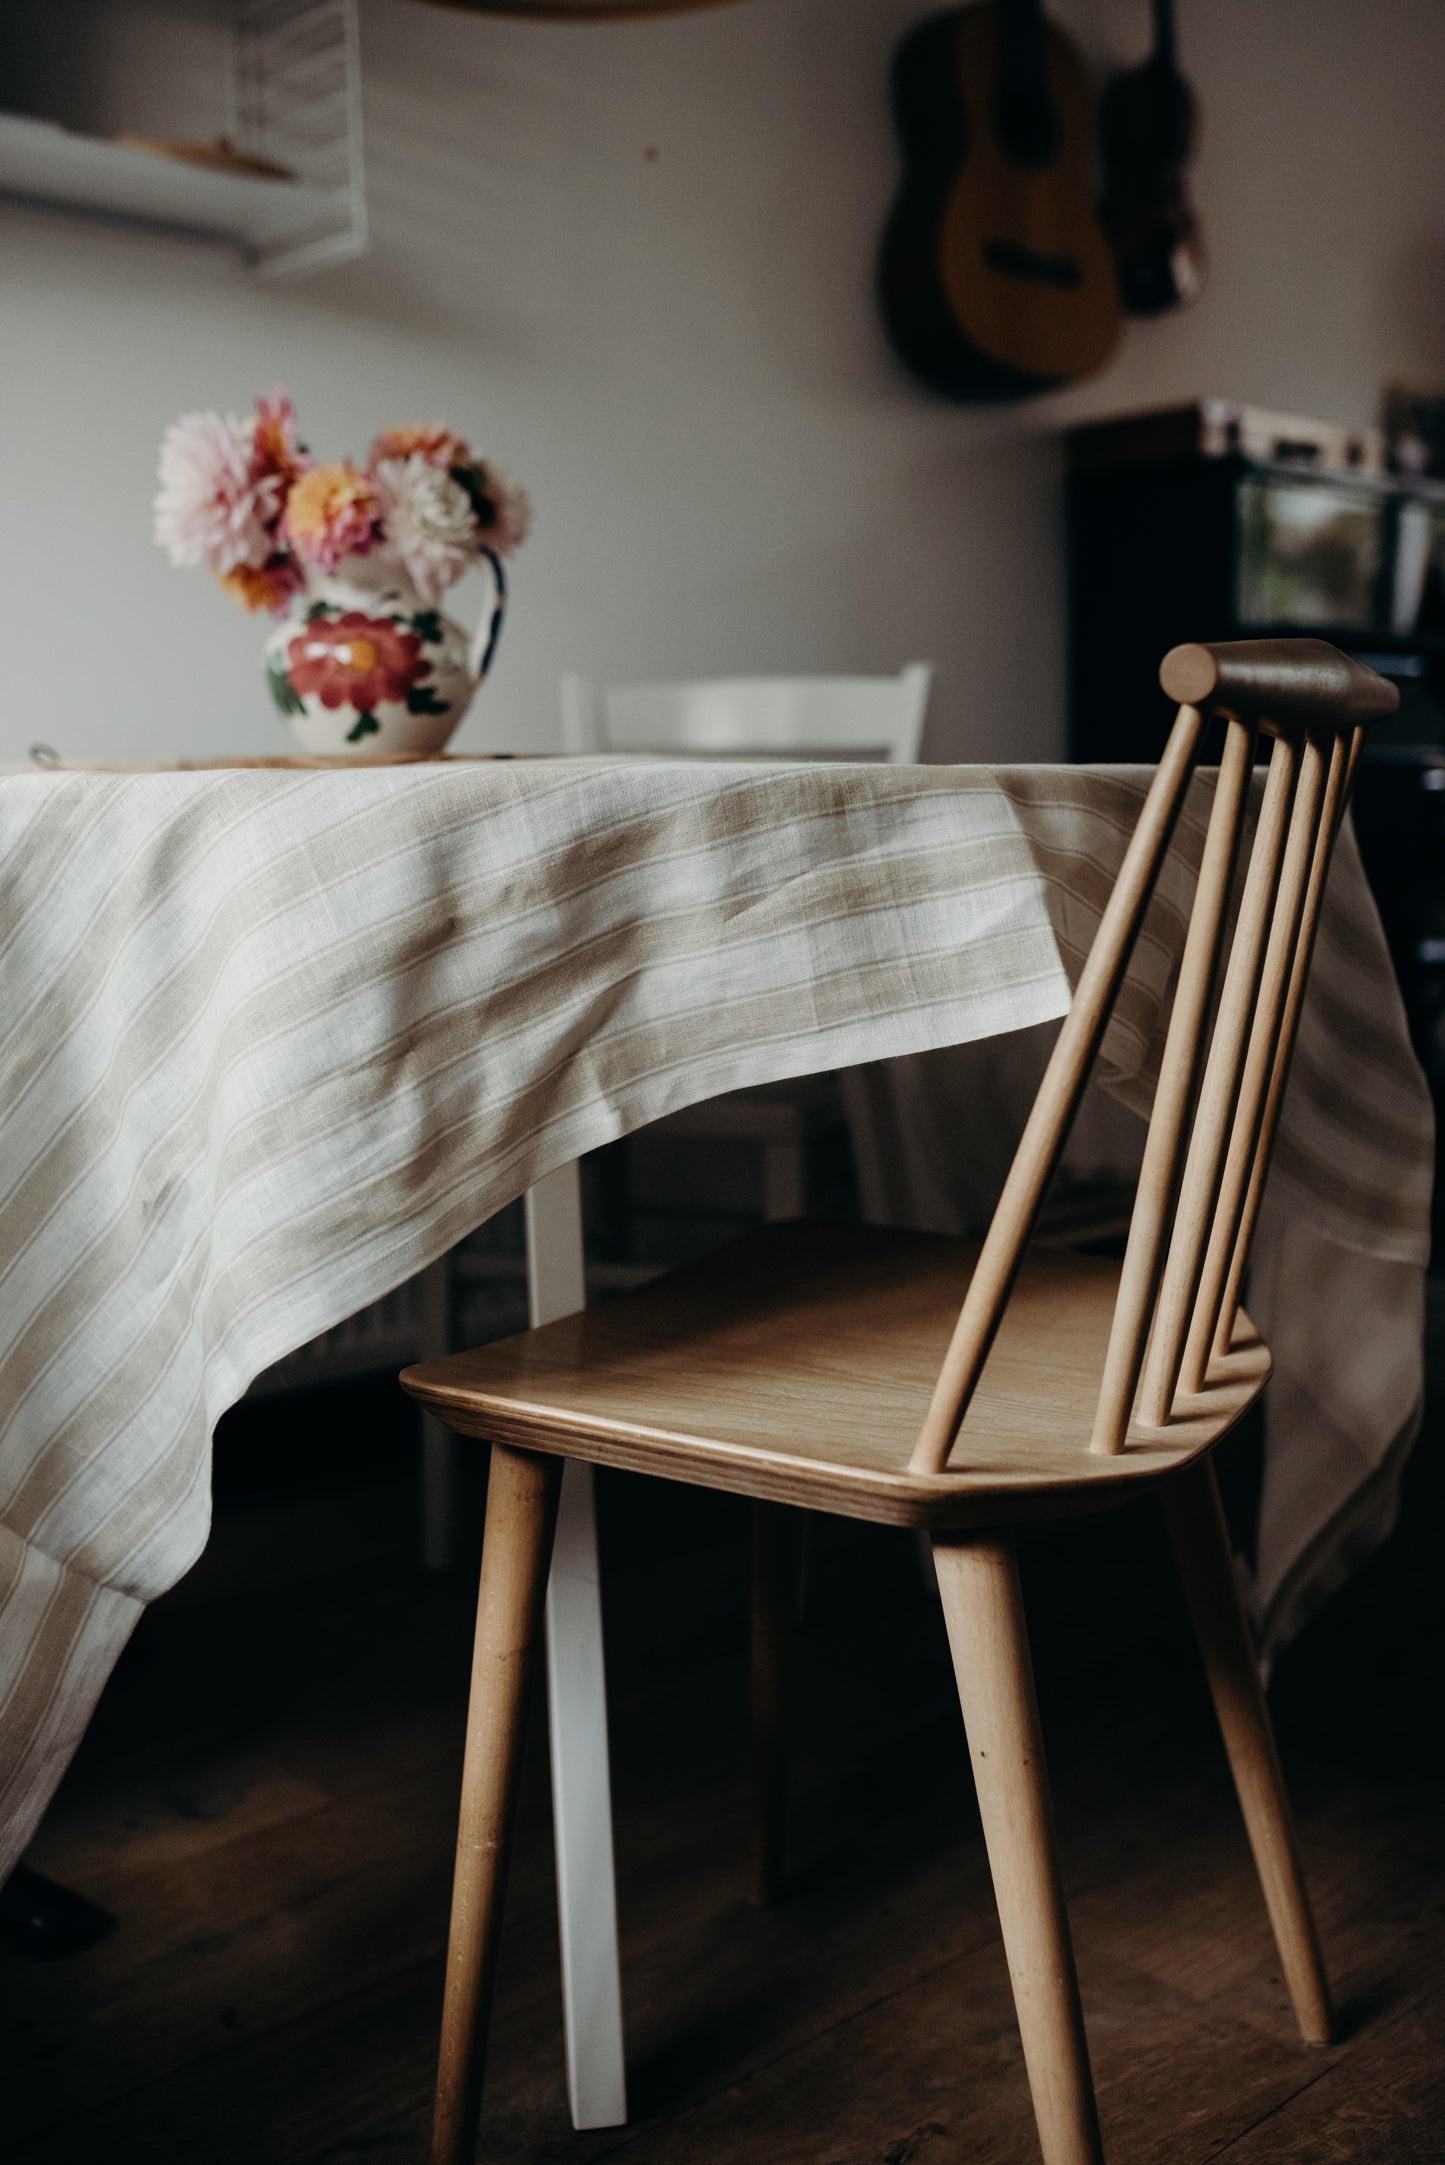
(271, 1041)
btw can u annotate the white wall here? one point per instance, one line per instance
(681, 359)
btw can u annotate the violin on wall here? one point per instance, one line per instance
(995, 276)
(1149, 125)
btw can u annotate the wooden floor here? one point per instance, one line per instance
(267, 1797)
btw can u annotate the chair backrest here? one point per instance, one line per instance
(762, 717)
(1209, 1141)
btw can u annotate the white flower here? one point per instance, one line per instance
(428, 526)
(214, 507)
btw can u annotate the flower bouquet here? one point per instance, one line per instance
(353, 561)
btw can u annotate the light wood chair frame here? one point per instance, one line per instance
(1177, 1326)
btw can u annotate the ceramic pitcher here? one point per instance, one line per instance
(362, 666)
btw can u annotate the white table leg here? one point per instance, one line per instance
(439, 1452)
(577, 1711)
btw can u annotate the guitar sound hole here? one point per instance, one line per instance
(1017, 261)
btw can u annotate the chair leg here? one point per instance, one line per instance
(983, 1608)
(521, 1516)
(777, 1564)
(1195, 1519)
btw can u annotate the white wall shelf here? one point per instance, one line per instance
(41, 162)
(293, 97)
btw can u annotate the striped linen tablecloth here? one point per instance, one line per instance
(271, 1041)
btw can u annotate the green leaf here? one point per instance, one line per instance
(422, 699)
(427, 624)
(474, 480)
(365, 725)
(283, 691)
(319, 608)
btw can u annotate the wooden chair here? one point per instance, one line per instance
(802, 1366)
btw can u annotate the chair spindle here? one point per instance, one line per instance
(1190, 1233)
(1058, 1097)
(1247, 1130)
(1175, 1094)
(1219, 1093)
(1344, 757)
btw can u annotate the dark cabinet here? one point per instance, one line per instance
(1220, 522)
(1207, 522)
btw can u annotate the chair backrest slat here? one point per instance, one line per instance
(1343, 758)
(1190, 1233)
(1247, 1131)
(1175, 1094)
(1052, 1116)
(1220, 1091)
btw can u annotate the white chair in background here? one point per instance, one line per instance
(756, 718)
(751, 717)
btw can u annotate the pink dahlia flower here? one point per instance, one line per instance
(213, 507)
(332, 512)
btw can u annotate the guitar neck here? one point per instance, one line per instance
(1021, 47)
(1166, 53)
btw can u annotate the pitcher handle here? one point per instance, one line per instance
(489, 628)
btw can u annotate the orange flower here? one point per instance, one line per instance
(273, 437)
(263, 586)
(431, 440)
(331, 512)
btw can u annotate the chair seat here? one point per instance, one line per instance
(796, 1364)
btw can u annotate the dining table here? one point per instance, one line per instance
(273, 1040)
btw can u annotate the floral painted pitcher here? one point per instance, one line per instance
(363, 667)
(352, 561)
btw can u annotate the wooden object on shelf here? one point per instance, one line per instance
(798, 1366)
(221, 156)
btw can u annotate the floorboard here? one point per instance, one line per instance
(266, 1801)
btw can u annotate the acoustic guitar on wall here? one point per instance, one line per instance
(1149, 123)
(995, 277)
